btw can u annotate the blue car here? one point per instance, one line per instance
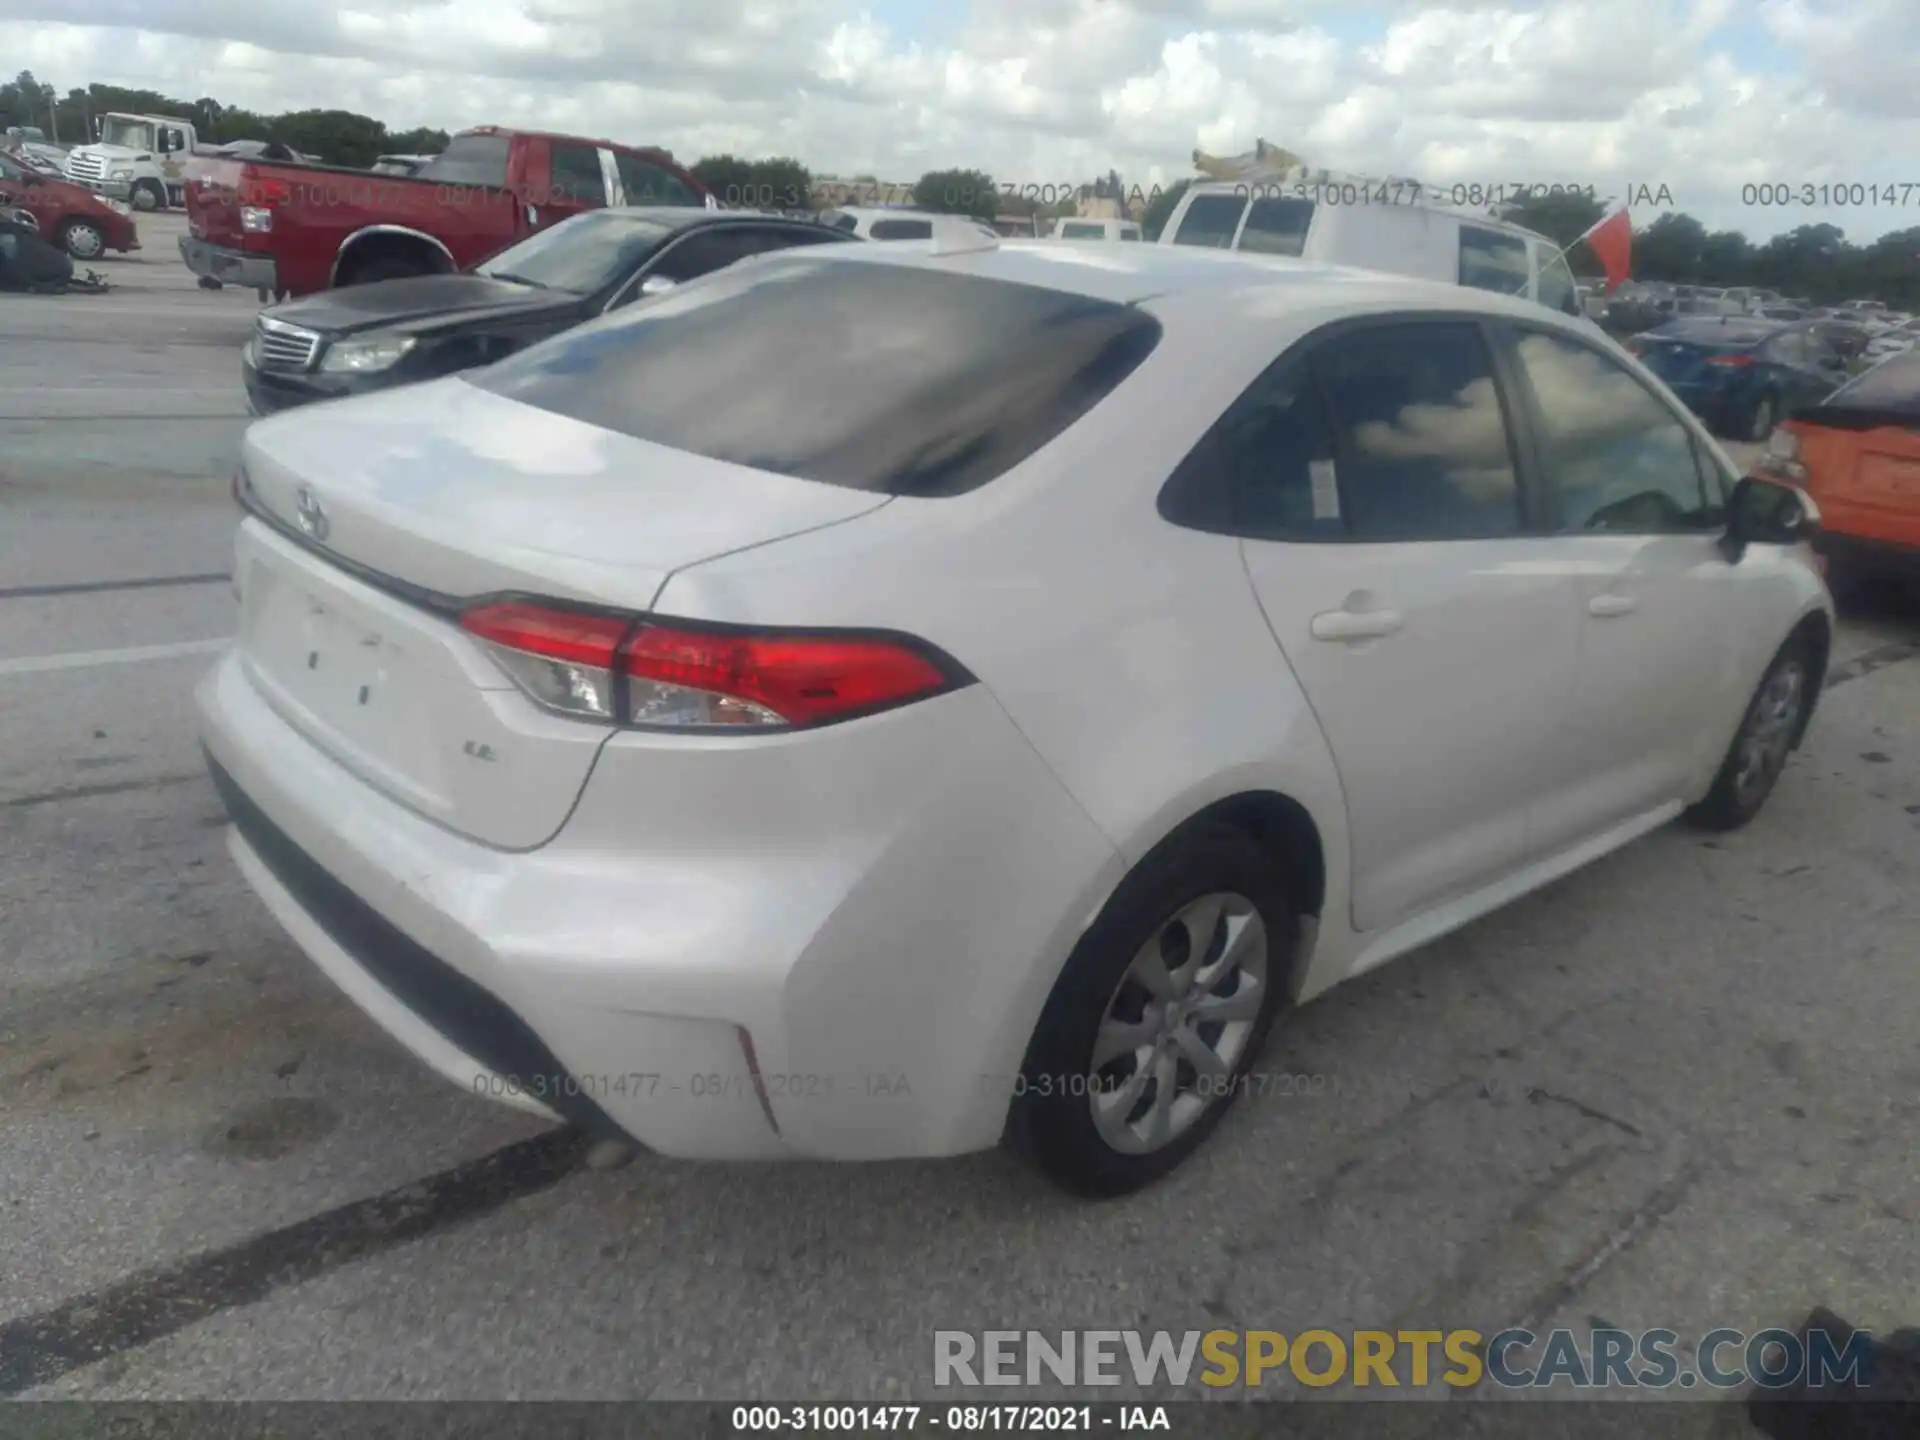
(1741, 375)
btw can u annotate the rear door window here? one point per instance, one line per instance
(1277, 225)
(1210, 220)
(1493, 260)
(472, 160)
(577, 177)
(885, 378)
(646, 184)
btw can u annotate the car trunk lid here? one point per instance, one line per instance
(375, 532)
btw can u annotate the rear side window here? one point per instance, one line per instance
(1392, 432)
(885, 378)
(842, 221)
(1129, 232)
(1277, 225)
(576, 175)
(1082, 231)
(1210, 220)
(902, 230)
(470, 160)
(646, 184)
(1492, 260)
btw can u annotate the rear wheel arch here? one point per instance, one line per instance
(381, 252)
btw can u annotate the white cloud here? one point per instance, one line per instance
(1701, 96)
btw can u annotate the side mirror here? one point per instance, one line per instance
(1767, 512)
(657, 284)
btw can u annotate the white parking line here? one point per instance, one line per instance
(86, 659)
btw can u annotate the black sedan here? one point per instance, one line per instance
(395, 332)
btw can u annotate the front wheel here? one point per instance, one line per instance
(83, 240)
(147, 197)
(1158, 1017)
(1768, 732)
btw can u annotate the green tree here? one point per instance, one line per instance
(728, 178)
(958, 192)
(1669, 249)
(1160, 208)
(1562, 217)
(782, 183)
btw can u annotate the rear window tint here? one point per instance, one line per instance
(877, 377)
(1210, 220)
(470, 160)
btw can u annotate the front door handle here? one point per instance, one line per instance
(1610, 605)
(1348, 625)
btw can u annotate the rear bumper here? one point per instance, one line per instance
(229, 267)
(855, 975)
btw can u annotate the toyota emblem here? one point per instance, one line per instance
(313, 519)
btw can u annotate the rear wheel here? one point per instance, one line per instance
(83, 240)
(147, 196)
(1159, 1016)
(386, 267)
(1768, 732)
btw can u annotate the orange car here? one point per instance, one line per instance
(1857, 453)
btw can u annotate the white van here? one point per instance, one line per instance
(1095, 228)
(1373, 225)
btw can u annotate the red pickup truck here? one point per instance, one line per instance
(289, 229)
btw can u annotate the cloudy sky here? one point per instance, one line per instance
(1702, 97)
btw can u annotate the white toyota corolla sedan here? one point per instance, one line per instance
(880, 701)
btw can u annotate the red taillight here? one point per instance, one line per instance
(1737, 362)
(629, 670)
(574, 636)
(264, 192)
(758, 679)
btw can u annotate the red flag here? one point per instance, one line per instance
(1612, 241)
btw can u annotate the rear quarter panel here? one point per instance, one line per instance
(1130, 653)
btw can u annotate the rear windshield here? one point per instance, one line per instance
(1071, 231)
(469, 160)
(885, 378)
(1210, 220)
(1892, 385)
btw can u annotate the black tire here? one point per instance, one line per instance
(1740, 789)
(385, 267)
(1051, 1121)
(147, 196)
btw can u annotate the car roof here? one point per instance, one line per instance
(1169, 274)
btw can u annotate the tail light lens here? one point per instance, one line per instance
(631, 670)
(1736, 362)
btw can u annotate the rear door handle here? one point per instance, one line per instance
(1607, 606)
(1355, 624)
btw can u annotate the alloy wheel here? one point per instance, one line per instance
(1178, 1024)
(1767, 737)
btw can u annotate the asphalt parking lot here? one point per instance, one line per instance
(1680, 1088)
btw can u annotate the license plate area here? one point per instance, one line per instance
(345, 678)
